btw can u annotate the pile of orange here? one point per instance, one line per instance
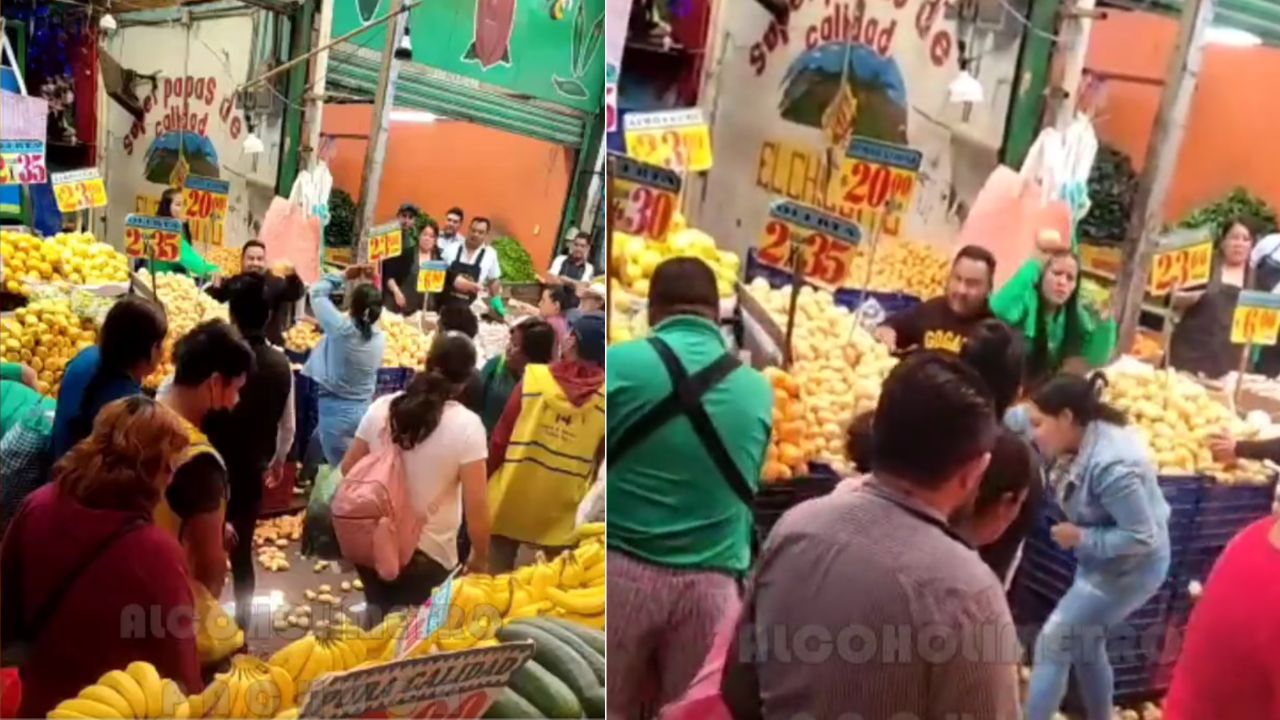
(787, 456)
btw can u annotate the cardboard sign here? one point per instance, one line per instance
(838, 119)
(22, 162)
(1256, 320)
(432, 616)
(384, 242)
(431, 275)
(204, 198)
(674, 139)
(152, 237)
(642, 200)
(877, 181)
(827, 242)
(444, 685)
(79, 190)
(1182, 261)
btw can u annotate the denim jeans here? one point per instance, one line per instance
(1074, 636)
(338, 420)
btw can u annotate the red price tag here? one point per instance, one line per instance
(827, 244)
(878, 181)
(22, 162)
(642, 199)
(153, 237)
(1183, 267)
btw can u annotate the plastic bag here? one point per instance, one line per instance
(1008, 217)
(318, 537)
(288, 232)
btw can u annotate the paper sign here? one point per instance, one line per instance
(204, 197)
(1256, 319)
(826, 241)
(1182, 261)
(146, 236)
(877, 182)
(384, 242)
(79, 190)
(431, 276)
(642, 199)
(444, 685)
(1102, 261)
(432, 616)
(674, 139)
(838, 119)
(22, 162)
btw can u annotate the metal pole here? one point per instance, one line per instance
(1161, 161)
(797, 280)
(320, 73)
(371, 176)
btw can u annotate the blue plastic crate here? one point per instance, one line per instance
(1235, 499)
(893, 303)
(391, 380)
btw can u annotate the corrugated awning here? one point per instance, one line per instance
(1260, 17)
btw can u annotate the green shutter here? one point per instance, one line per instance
(354, 71)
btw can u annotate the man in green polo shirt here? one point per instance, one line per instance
(18, 395)
(681, 474)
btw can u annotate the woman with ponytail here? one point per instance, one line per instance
(346, 360)
(443, 449)
(1117, 525)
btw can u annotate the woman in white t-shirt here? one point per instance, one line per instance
(443, 449)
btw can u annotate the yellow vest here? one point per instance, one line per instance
(217, 635)
(549, 465)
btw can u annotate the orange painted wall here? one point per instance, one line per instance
(1231, 137)
(517, 182)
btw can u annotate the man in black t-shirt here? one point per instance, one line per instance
(944, 323)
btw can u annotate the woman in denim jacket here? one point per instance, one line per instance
(1117, 524)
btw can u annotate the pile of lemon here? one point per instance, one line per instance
(45, 335)
(72, 258)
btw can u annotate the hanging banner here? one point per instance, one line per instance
(877, 182)
(642, 198)
(617, 17)
(152, 237)
(826, 242)
(674, 139)
(79, 190)
(22, 162)
(1256, 320)
(1182, 261)
(384, 241)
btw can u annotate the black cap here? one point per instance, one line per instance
(410, 209)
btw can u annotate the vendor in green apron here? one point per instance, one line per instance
(1042, 301)
(473, 266)
(189, 261)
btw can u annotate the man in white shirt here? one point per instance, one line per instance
(451, 235)
(573, 269)
(473, 265)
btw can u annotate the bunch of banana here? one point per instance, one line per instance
(138, 691)
(250, 689)
(380, 642)
(315, 654)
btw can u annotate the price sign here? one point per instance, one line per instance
(642, 200)
(79, 190)
(22, 162)
(204, 198)
(1183, 260)
(826, 242)
(674, 139)
(441, 685)
(158, 237)
(384, 242)
(1256, 320)
(873, 174)
(431, 276)
(838, 119)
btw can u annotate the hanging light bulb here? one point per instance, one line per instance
(107, 23)
(253, 145)
(965, 88)
(405, 50)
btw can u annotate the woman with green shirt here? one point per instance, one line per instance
(18, 395)
(1042, 301)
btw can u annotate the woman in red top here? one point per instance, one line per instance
(89, 583)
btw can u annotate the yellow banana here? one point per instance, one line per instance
(295, 655)
(149, 680)
(60, 714)
(110, 698)
(182, 712)
(582, 602)
(571, 577)
(531, 610)
(88, 708)
(214, 702)
(589, 554)
(237, 690)
(591, 621)
(171, 698)
(458, 641)
(344, 656)
(290, 714)
(320, 662)
(128, 688)
(589, 530)
(594, 573)
(288, 692)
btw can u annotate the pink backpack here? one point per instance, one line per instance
(373, 516)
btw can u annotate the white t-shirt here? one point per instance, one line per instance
(489, 269)
(558, 264)
(431, 469)
(448, 246)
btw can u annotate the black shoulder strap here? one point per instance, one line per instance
(686, 398)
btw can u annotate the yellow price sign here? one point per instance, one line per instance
(384, 242)
(152, 237)
(204, 203)
(826, 242)
(22, 162)
(674, 139)
(838, 119)
(1184, 260)
(877, 180)
(1256, 320)
(431, 274)
(642, 198)
(79, 190)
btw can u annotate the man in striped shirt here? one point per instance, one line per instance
(865, 603)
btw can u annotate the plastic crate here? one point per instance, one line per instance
(893, 303)
(772, 501)
(391, 380)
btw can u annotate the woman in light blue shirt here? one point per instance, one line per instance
(1117, 524)
(345, 362)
